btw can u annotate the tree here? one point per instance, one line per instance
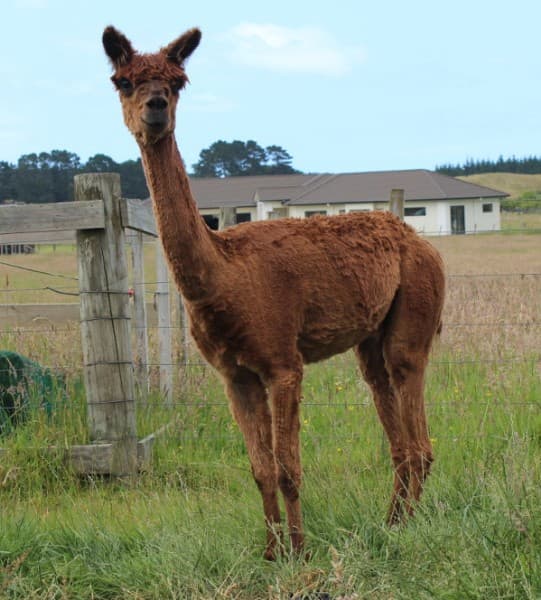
(133, 180)
(100, 163)
(8, 190)
(33, 180)
(229, 159)
(46, 177)
(530, 164)
(64, 165)
(280, 160)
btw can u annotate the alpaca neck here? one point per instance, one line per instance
(189, 245)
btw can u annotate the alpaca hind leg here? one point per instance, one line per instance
(410, 383)
(250, 408)
(285, 398)
(370, 356)
(410, 328)
(406, 365)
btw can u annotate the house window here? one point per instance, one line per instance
(415, 211)
(243, 217)
(277, 213)
(487, 207)
(313, 213)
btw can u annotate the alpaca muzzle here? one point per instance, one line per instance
(155, 114)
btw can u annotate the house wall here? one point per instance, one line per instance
(215, 212)
(428, 224)
(436, 221)
(301, 210)
(361, 206)
(485, 221)
(265, 210)
(475, 220)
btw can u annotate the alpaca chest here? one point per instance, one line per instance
(217, 330)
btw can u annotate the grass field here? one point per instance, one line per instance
(191, 526)
(514, 184)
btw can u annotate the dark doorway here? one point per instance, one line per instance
(458, 220)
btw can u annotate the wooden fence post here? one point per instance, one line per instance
(105, 325)
(396, 204)
(164, 325)
(139, 313)
(185, 330)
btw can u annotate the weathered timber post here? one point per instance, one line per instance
(228, 217)
(396, 204)
(164, 325)
(139, 313)
(185, 330)
(105, 325)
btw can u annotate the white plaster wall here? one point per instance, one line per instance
(359, 207)
(300, 211)
(475, 219)
(438, 216)
(437, 220)
(427, 224)
(482, 221)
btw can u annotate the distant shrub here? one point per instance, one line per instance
(527, 202)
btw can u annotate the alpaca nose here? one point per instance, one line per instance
(157, 103)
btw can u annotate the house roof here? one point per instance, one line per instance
(341, 188)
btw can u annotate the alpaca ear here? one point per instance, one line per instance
(179, 50)
(117, 47)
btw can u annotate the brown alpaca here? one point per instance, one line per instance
(263, 298)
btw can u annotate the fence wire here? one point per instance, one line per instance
(192, 361)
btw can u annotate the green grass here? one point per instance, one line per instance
(192, 527)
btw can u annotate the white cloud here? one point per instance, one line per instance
(301, 49)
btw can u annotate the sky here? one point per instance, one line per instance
(343, 86)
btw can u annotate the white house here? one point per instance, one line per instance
(435, 204)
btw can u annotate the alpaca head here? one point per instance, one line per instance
(149, 84)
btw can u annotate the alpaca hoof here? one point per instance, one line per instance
(395, 516)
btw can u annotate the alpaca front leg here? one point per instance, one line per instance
(250, 408)
(285, 398)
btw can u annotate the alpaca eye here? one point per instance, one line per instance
(124, 84)
(177, 85)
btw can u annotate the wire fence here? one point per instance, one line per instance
(529, 321)
(492, 320)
